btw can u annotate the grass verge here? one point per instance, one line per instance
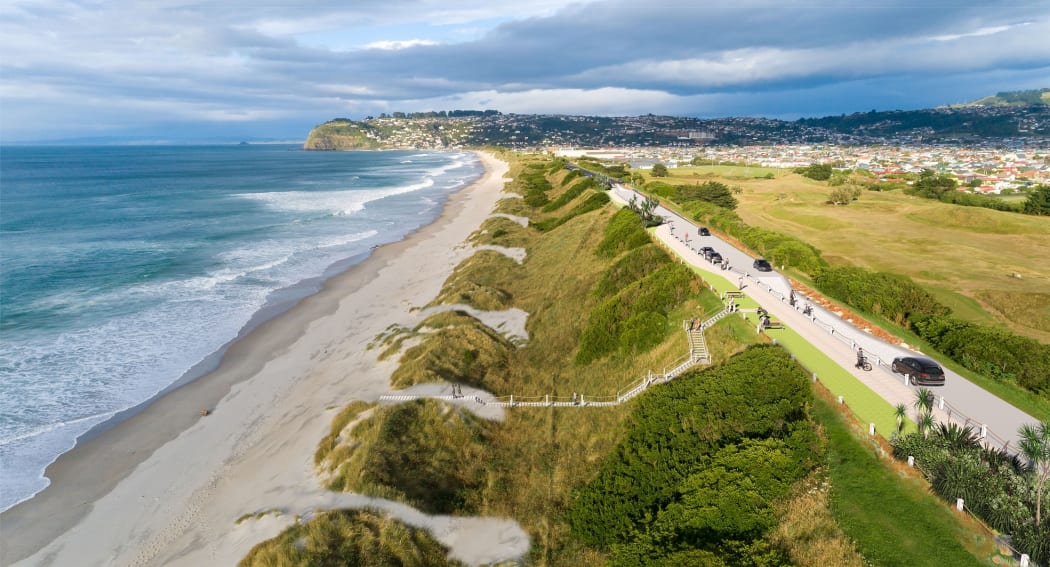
(892, 521)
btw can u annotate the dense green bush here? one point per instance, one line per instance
(660, 189)
(573, 174)
(632, 267)
(993, 485)
(967, 199)
(889, 295)
(702, 464)
(624, 232)
(534, 185)
(995, 353)
(635, 319)
(1038, 201)
(573, 192)
(593, 202)
(817, 171)
(931, 185)
(779, 248)
(711, 191)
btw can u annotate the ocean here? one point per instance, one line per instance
(121, 268)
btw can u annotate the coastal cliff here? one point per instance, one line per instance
(341, 134)
(391, 133)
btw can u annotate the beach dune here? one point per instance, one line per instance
(167, 486)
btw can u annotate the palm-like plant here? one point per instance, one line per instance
(958, 437)
(923, 401)
(1035, 445)
(900, 412)
(924, 409)
(925, 424)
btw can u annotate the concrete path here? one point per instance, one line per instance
(962, 400)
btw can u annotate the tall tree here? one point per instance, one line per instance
(659, 170)
(1035, 445)
(1038, 202)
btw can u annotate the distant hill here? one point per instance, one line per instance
(1005, 116)
(1034, 97)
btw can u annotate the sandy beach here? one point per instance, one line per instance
(167, 486)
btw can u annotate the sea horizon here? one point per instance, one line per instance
(128, 269)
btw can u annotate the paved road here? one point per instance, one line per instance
(963, 401)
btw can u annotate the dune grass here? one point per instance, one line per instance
(425, 453)
(351, 539)
(476, 282)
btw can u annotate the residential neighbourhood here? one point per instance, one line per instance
(987, 170)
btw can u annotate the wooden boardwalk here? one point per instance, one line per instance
(698, 354)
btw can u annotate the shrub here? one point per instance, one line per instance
(777, 247)
(660, 189)
(635, 319)
(685, 442)
(592, 202)
(957, 466)
(632, 267)
(573, 174)
(712, 192)
(573, 192)
(880, 293)
(996, 353)
(534, 185)
(817, 171)
(624, 232)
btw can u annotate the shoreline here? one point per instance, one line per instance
(284, 378)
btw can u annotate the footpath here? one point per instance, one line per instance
(826, 344)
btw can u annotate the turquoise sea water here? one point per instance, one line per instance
(123, 267)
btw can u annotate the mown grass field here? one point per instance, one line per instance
(964, 255)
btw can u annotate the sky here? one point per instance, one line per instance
(170, 70)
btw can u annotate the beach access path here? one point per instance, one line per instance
(167, 486)
(836, 337)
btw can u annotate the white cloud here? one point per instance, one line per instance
(978, 33)
(400, 44)
(239, 61)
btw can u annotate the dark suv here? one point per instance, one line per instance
(715, 258)
(704, 232)
(763, 266)
(706, 251)
(919, 369)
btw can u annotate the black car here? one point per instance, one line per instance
(706, 251)
(704, 232)
(715, 258)
(763, 265)
(919, 369)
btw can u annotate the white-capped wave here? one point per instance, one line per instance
(333, 202)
